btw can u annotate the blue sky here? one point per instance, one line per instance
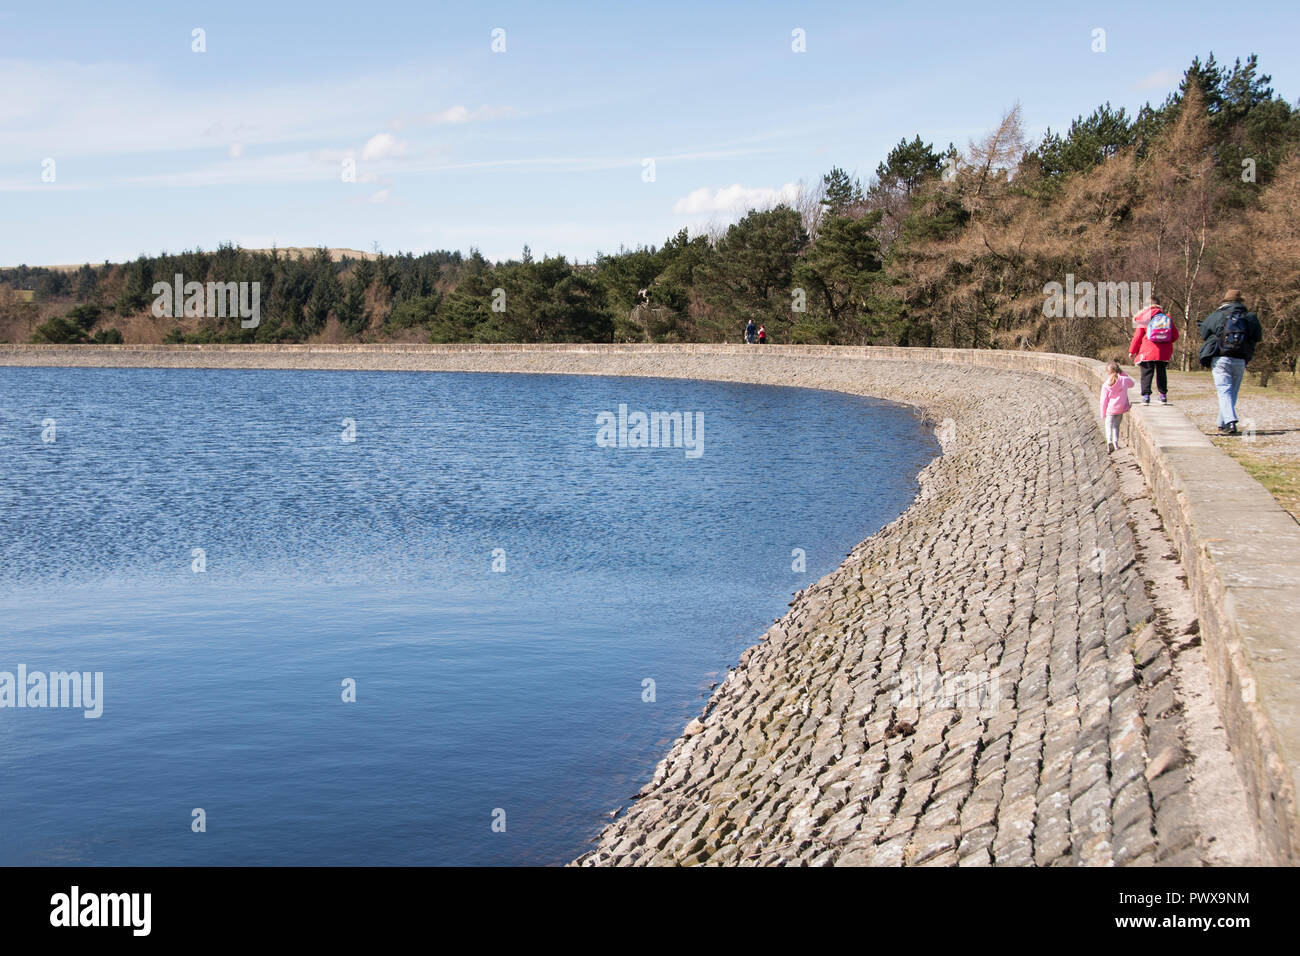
(159, 148)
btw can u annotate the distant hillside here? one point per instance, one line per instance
(292, 252)
(306, 252)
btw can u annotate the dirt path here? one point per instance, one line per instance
(1269, 446)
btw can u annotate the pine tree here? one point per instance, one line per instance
(841, 193)
(907, 166)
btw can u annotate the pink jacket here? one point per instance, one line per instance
(1114, 398)
(1143, 347)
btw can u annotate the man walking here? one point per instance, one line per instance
(1231, 334)
(1152, 348)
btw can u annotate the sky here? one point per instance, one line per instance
(397, 126)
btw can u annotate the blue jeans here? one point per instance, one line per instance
(1228, 373)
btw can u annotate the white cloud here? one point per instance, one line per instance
(734, 199)
(112, 107)
(467, 116)
(236, 150)
(33, 184)
(1159, 80)
(382, 146)
(381, 196)
(455, 115)
(300, 166)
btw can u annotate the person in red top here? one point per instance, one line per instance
(1152, 348)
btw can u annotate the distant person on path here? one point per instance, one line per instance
(762, 335)
(1114, 402)
(1231, 334)
(1152, 348)
(749, 332)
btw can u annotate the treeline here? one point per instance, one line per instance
(939, 247)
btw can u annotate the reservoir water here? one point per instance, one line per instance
(525, 618)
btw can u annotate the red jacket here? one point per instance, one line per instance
(1143, 347)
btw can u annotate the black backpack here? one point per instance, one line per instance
(1234, 340)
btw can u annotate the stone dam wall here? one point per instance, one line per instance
(980, 682)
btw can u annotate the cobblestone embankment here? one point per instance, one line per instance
(978, 683)
(982, 682)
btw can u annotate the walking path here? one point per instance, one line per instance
(1269, 444)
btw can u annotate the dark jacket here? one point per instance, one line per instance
(1212, 327)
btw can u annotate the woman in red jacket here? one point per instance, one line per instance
(1152, 348)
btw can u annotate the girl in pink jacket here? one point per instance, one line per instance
(1114, 402)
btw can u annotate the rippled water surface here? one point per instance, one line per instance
(477, 691)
